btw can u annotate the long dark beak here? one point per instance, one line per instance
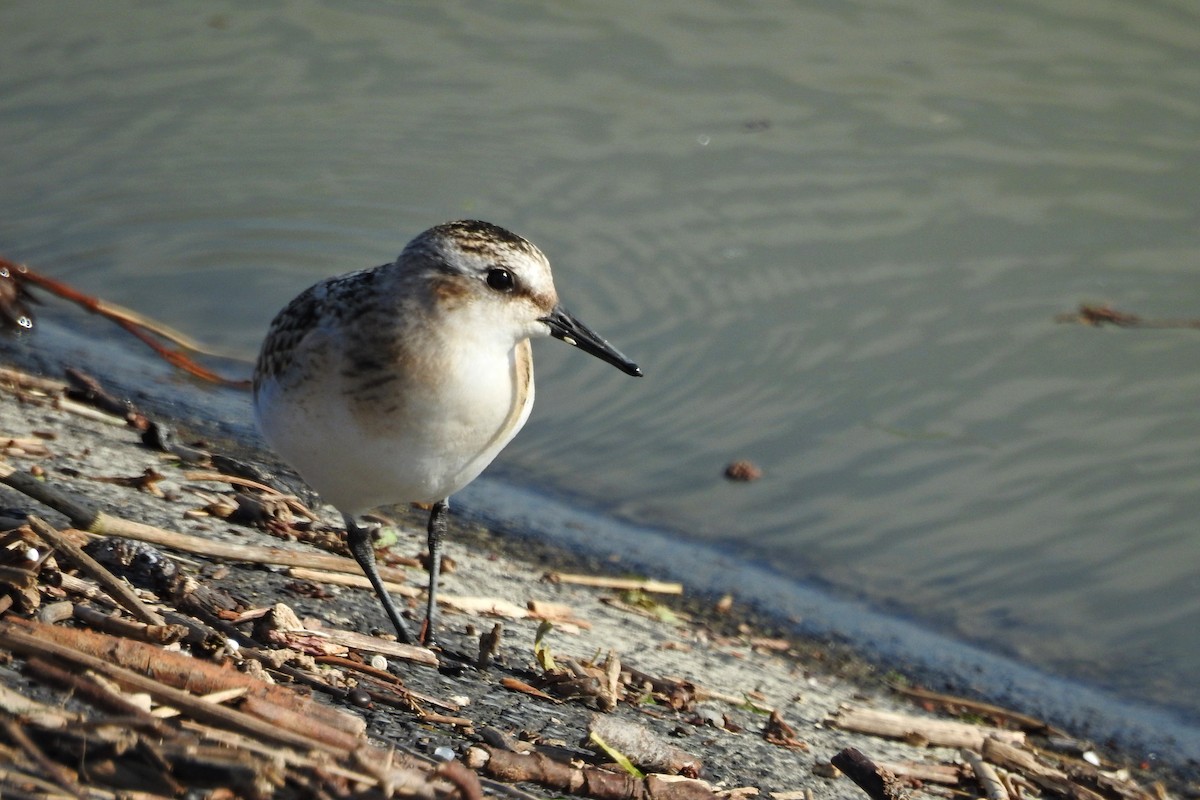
(564, 326)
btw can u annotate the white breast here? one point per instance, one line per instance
(420, 443)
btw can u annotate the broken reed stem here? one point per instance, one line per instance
(620, 584)
(107, 525)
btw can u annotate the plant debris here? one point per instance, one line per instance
(1100, 315)
(743, 471)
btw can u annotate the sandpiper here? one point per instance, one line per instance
(399, 384)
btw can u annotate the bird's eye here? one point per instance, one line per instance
(500, 279)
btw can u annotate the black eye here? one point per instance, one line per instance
(500, 279)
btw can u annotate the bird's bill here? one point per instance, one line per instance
(564, 326)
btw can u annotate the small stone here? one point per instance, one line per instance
(743, 470)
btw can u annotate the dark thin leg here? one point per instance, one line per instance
(359, 539)
(437, 530)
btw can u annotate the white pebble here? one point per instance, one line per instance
(1091, 757)
(443, 753)
(232, 646)
(32, 554)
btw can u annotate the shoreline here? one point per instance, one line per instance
(711, 648)
(881, 641)
(885, 641)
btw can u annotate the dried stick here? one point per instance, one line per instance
(878, 783)
(985, 773)
(622, 584)
(140, 326)
(108, 525)
(1100, 315)
(466, 781)
(23, 380)
(586, 781)
(197, 709)
(979, 707)
(64, 777)
(943, 733)
(86, 517)
(118, 589)
(152, 634)
(88, 689)
(181, 671)
(643, 747)
(1055, 780)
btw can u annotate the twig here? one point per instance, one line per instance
(236, 480)
(373, 644)
(86, 517)
(153, 634)
(878, 783)
(23, 380)
(343, 578)
(587, 781)
(197, 709)
(1100, 315)
(140, 326)
(643, 747)
(979, 707)
(466, 781)
(941, 732)
(119, 590)
(1009, 755)
(517, 685)
(621, 584)
(88, 689)
(179, 670)
(985, 774)
(67, 780)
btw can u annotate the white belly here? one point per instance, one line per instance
(421, 443)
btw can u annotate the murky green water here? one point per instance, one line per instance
(835, 236)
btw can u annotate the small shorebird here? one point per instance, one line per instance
(401, 383)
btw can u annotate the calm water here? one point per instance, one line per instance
(835, 235)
